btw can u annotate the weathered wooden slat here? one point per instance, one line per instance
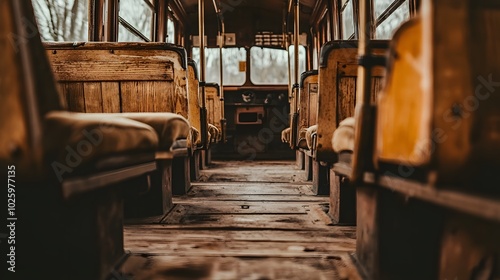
(328, 235)
(249, 189)
(76, 97)
(109, 65)
(163, 97)
(240, 248)
(63, 95)
(130, 97)
(243, 230)
(346, 98)
(334, 266)
(111, 97)
(93, 97)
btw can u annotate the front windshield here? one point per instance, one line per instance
(231, 59)
(269, 66)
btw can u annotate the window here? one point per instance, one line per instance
(270, 66)
(62, 20)
(380, 6)
(231, 58)
(136, 21)
(388, 25)
(347, 20)
(170, 31)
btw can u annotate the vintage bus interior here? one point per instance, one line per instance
(250, 139)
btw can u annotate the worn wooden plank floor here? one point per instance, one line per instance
(242, 220)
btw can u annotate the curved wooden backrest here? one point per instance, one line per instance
(214, 105)
(308, 99)
(439, 109)
(27, 89)
(194, 107)
(98, 77)
(337, 89)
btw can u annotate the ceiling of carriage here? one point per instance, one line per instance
(247, 17)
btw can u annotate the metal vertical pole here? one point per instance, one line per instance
(295, 90)
(221, 44)
(201, 29)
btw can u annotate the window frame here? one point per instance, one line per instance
(342, 8)
(218, 70)
(133, 30)
(388, 12)
(287, 70)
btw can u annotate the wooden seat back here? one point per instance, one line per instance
(27, 90)
(337, 89)
(438, 111)
(121, 77)
(214, 105)
(194, 98)
(308, 100)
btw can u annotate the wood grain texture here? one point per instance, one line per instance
(307, 102)
(111, 97)
(116, 65)
(121, 77)
(337, 95)
(76, 97)
(194, 115)
(213, 106)
(443, 113)
(239, 239)
(63, 95)
(93, 97)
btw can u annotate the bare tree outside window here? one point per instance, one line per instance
(62, 20)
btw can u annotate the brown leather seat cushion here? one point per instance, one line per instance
(79, 138)
(169, 126)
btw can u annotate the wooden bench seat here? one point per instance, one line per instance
(307, 107)
(337, 77)
(71, 168)
(197, 117)
(127, 78)
(215, 121)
